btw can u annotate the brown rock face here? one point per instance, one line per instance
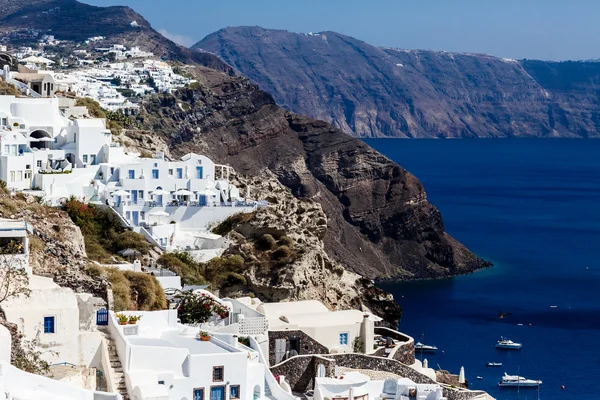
(370, 91)
(380, 224)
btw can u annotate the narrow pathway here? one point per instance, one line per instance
(115, 364)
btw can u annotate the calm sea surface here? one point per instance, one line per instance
(532, 207)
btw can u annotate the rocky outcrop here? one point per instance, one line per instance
(379, 222)
(308, 272)
(56, 246)
(381, 92)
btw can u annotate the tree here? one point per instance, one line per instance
(116, 81)
(14, 280)
(198, 308)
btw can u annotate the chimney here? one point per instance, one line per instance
(367, 333)
(234, 341)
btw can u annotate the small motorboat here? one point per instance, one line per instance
(425, 348)
(517, 381)
(493, 364)
(479, 378)
(505, 343)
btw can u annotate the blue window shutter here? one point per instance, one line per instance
(48, 324)
(199, 173)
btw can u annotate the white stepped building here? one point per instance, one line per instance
(167, 201)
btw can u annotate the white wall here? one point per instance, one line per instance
(5, 344)
(48, 299)
(24, 386)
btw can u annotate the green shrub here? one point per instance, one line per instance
(285, 241)
(136, 291)
(234, 279)
(282, 253)
(266, 242)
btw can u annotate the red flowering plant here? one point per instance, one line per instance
(198, 308)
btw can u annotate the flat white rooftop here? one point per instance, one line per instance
(174, 339)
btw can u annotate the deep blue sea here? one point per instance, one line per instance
(532, 207)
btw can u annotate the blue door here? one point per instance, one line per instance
(198, 172)
(135, 218)
(102, 317)
(198, 394)
(158, 199)
(117, 200)
(202, 200)
(134, 194)
(217, 393)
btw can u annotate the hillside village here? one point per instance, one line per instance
(115, 260)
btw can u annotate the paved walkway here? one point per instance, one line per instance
(374, 375)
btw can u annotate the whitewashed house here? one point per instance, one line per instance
(164, 360)
(357, 386)
(169, 202)
(19, 385)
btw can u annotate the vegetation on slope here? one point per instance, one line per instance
(102, 231)
(8, 90)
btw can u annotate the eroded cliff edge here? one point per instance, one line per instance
(380, 224)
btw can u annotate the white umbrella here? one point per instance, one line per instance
(160, 192)
(183, 192)
(120, 193)
(210, 192)
(159, 213)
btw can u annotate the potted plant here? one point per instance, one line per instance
(133, 319)
(122, 318)
(204, 336)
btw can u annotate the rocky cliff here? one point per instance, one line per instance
(380, 224)
(381, 92)
(75, 21)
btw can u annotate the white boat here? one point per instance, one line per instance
(505, 343)
(517, 381)
(494, 364)
(425, 348)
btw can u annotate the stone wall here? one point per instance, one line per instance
(301, 370)
(308, 346)
(454, 394)
(361, 361)
(405, 347)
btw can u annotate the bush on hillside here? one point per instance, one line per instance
(136, 291)
(266, 242)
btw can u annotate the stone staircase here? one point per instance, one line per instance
(115, 364)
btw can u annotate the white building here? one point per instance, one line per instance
(357, 386)
(51, 317)
(20, 385)
(165, 360)
(167, 201)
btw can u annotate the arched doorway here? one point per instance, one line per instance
(40, 139)
(71, 158)
(256, 395)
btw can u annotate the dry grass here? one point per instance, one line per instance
(136, 291)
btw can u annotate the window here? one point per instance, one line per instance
(179, 173)
(234, 392)
(218, 374)
(48, 324)
(27, 166)
(161, 382)
(19, 176)
(12, 176)
(171, 172)
(142, 214)
(199, 174)
(131, 174)
(154, 174)
(39, 163)
(93, 159)
(344, 339)
(27, 175)
(85, 158)
(3, 121)
(75, 136)
(141, 194)
(198, 394)
(6, 149)
(112, 170)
